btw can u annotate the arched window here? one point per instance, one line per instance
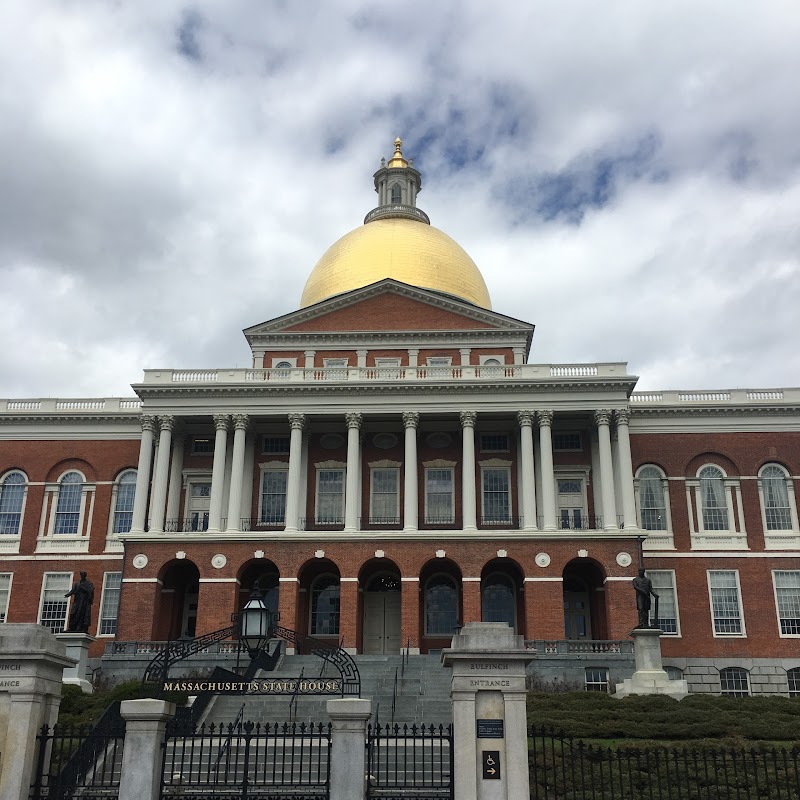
(125, 491)
(12, 497)
(652, 501)
(498, 602)
(397, 193)
(325, 606)
(712, 499)
(673, 673)
(734, 682)
(68, 509)
(441, 606)
(774, 485)
(794, 681)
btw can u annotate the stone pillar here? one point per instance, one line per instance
(464, 353)
(143, 475)
(351, 507)
(602, 418)
(488, 691)
(413, 357)
(626, 470)
(77, 645)
(545, 418)
(142, 757)
(650, 676)
(528, 474)
(159, 499)
(218, 472)
(468, 502)
(175, 480)
(296, 422)
(240, 423)
(410, 483)
(348, 767)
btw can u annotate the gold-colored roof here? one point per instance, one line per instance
(403, 249)
(397, 159)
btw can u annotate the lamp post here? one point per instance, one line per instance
(255, 623)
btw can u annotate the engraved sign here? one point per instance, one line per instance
(490, 728)
(491, 765)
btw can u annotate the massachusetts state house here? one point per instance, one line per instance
(391, 466)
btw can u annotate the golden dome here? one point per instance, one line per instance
(404, 249)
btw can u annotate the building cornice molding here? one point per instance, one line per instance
(54, 419)
(715, 411)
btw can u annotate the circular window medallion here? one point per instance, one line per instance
(542, 560)
(140, 561)
(439, 440)
(331, 441)
(384, 441)
(219, 561)
(624, 559)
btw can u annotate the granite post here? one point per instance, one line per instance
(348, 768)
(145, 723)
(77, 649)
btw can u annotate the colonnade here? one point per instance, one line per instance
(615, 474)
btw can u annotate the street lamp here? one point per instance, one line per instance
(255, 626)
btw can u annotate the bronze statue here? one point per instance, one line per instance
(644, 588)
(82, 594)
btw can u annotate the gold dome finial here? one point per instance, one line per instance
(397, 159)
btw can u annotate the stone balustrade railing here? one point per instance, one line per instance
(105, 405)
(715, 397)
(579, 647)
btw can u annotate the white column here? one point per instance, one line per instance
(351, 508)
(468, 501)
(175, 481)
(159, 499)
(464, 353)
(413, 358)
(296, 421)
(410, 483)
(246, 509)
(626, 470)
(309, 358)
(218, 472)
(519, 356)
(362, 358)
(545, 418)
(240, 423)
(528, 475)
(143, 475)
(602, 418)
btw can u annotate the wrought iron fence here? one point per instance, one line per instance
(409, 763)
(562, 768)
(80, 761)
(248, 760)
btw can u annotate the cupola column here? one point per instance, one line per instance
(297, 423)
(411, 501)
(353, 471)
(545, 418)
(159, 498)
(468, 501)
(602, 418)
(221, 422)
(240, 424)
(528, 476)
(626, 469)
(143, 474)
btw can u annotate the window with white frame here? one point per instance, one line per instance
(54, 606)
(787, 600)
(202, 446)
(596, 679)
(124, 495)
(384, 508)
(494, 442)
(68, 507)
(12, 501)
(330, 496)
(5, 594)
(726, 602)
(663, 581)
(272, 509)
(439, 361)
(571, 502)
(652, 491)
(439, 487)
(713, 501)
(774, 486)
(734, 682)
(793, 677)
(496, 494)
(567, 441)
(275, 445)
(441, 606)
(109, 605)
(325, 596)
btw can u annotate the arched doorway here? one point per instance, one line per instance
(584, 600)
(180, 586)
(382, 608)
(319, 600)
(501, 599)
(268, 577)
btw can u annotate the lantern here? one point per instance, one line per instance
(254, 623)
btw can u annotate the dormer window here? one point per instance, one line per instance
(397, 193)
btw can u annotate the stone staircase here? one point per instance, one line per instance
(423, 692)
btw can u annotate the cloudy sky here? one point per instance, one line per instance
(625, 174)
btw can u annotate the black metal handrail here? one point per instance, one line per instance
(293, 698)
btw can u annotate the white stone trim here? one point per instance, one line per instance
(143, 580)
(219, 580)
(543, 580)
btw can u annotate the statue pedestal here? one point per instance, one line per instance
(650, 677)
(77, 649)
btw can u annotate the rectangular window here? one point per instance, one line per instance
(570, 504)
(787, 598)
(109, 607)
(496, 494)
(123, 509)
(494, 443)
(596, 679)
(726, 606)
(385, 499)
(53, 613)
(202, 446)
(273, 496)
(567, 441)
(439, 496)
(330, 496)
(275, 444)
(664, 586)
(5, 595)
